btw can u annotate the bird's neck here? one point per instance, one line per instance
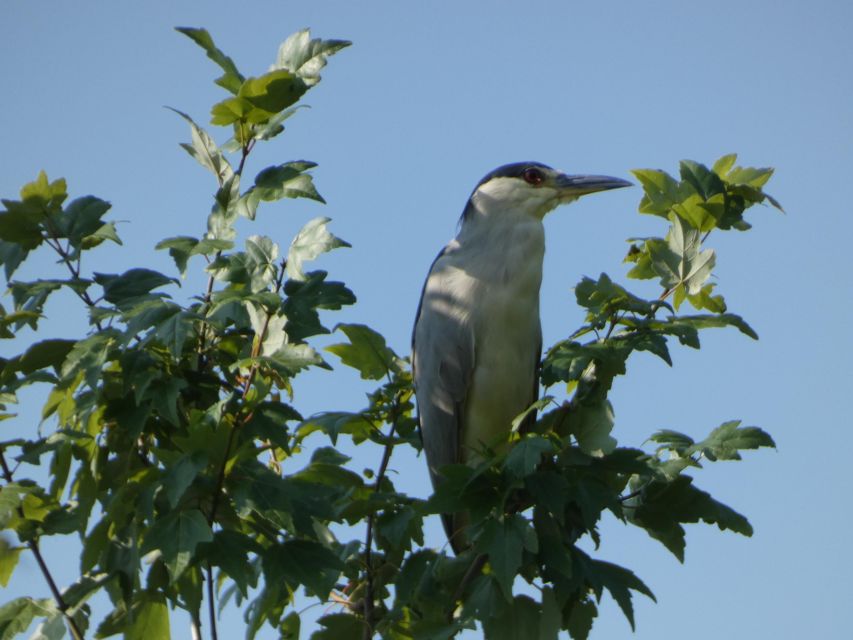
(503, 247)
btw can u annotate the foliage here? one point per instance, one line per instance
(177, 456)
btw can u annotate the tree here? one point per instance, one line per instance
(178, 456)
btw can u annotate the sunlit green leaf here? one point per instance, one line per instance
(311, 241)
(366, 351)
(8, 561)
(305, 57)
(231, 79)
(203, 148)
(150, 619)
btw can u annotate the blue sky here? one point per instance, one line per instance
(429, 98)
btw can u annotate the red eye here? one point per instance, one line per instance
(533, 176)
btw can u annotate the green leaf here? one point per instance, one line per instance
(724, 164)
(672, 439)
(619, 582)
(524, 457)
(47, 353)
(366, 351)
(339, 626)
(259, 99)
(181, 474)
(131, 284)
(223, 215)
(305, 57)
(88, 357)
(12, 255)
(503, 541)
(706, 183)
(519, 621)
(150, 619)
(289, 627)
(176, 537)
(304, 297)
(286, 180)
(274, 91)
(661, 191)
(705, 300)
(203, 148)
(232, 79)
(581, 613)
(17, 615)
(303, 562)
(725, 441)
(81, 223)
(52, 628)
(289, 360)
(591, 425)
(664, 505)
(682, 262)
(311, 241)
(8, 561)
(20, 227)
(401, 527)
(230, 552)
(334, 423)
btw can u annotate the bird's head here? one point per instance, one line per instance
(533, 189)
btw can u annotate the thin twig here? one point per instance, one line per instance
(56, 245)
(211, 609)
(220, 479)
(368, 542)
(34, 547)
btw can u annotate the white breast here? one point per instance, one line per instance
(503, 273)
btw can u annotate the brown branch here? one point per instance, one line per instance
(34, 547)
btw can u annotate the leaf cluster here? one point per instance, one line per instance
(173, 455)
(176, 451)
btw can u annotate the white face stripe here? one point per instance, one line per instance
(516, 195)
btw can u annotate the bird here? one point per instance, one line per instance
(477, 337)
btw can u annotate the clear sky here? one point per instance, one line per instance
(429, 98)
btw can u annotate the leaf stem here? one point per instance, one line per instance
(36, 551)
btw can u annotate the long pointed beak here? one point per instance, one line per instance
(580, 185)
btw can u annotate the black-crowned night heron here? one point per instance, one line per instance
(477, 338)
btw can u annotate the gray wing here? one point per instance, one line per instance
(443, 359)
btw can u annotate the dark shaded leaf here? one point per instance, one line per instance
(304, 297)
(176, 537)
(131, 284)
(303, 562)
(339, 626)
(524, 457)
(503, 541)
